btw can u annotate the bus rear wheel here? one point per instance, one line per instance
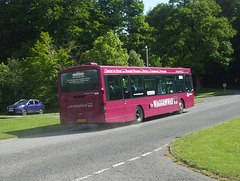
(139, 114)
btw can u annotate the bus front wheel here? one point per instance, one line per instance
(139, 114)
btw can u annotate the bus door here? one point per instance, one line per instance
(189, 100)
(117, 104)
(127, 98)
(171, 102)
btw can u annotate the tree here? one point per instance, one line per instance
(73, 22)
(135, 59)
(107, 50)
(16, 22)
(235, 63)
(126, 19)
(228, 7)
(180, 3)
(41, 69)
(192, 36)
(159, 18)
(11, 76)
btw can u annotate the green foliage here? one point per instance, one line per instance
(235, 63)
(73, 20)
(187, 33)
(107, 50)
(125, 18)
(17, 27)
(41, 69)
(228, 7)
(192, 36)
(11, 82)
(139, 36)
(159, 18)
(11, 76)
(66, 21)
(119, 14)
(135, 59)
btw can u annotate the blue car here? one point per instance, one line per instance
(26, 106)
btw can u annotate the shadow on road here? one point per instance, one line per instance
(57, 130)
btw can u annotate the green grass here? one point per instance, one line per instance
(198, 101)
(29, 125)
(208, 92)
(213, 150)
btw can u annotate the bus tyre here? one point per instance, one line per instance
(24, 112)
(181, 107)
(139, 114)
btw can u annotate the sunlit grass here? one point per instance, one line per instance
(29, 125)
(208, 92)
(215, 150)
(198, 101)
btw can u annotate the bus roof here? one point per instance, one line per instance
(130, 70)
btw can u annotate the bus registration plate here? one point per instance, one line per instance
(81, 120)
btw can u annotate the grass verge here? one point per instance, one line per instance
(29, 125)
(208, 92)
(213, 151)
(198, 101)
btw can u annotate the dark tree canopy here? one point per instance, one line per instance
(40, 37)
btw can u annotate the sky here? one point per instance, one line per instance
(150, 4)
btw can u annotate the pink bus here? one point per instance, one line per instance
(94, 93)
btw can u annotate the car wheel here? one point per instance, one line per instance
(181, 107)
(41, 111)
(24, 112)
(139, 114)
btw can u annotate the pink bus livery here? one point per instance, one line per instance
(94, 93)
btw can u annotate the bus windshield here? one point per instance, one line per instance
(79, 81)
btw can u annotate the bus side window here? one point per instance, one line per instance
(137, 85)
(114, 90)
(126, 87)
(179, 83)
(188, 83)
(149, 85)
(160, 85)
(170, 85)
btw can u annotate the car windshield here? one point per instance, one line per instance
(21, 102)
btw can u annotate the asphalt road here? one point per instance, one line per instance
(113, 152)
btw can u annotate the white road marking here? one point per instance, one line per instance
(101, 171)
(158, 149)
(132, 159)
(121, 163)
(83, 178)
(145, 154)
